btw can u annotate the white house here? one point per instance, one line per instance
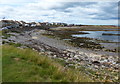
(38, 24)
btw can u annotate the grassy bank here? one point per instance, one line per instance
(26, 65)
(0, 64)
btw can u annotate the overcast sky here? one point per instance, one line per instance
(67, 11)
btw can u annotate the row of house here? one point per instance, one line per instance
(15, 24)
(21, 24)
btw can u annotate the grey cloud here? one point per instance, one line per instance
(107, 12)
(71, 12)
(110, 8)
(65, 5)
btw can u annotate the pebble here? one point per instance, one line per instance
(55, 56)
(70, 59)
(95, 66)
(70, 64)
(72, 55)
(49, 53)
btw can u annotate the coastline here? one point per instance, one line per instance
(58, 49)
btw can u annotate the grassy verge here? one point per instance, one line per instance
(0, 64)
(0, 33)
(26, 65)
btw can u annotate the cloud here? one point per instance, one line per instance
(60, 11)
(108, 11)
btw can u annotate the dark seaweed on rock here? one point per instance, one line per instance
(86, 43)
(110, 34)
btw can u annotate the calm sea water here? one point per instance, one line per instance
(98, 35)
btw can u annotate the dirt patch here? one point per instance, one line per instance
(17, 59)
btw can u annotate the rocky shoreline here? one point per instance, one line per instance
(73, 57)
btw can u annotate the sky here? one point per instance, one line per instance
(90, 12)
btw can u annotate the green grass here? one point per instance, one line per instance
(4, 33)
(0, 33)
(0, 64)
(26, 65)
(15, 44)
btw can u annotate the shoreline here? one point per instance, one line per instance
(58, 49)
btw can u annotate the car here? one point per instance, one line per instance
(9, 27)
(4, 28)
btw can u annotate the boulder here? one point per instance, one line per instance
(96, 62)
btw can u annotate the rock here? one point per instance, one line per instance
(81, 53)
(76, 57)
(70, 59)
(60, 58)
(96, 49)
(65, 57)
(72, 55)
(23, 47)
(49, 53)
(107, 64)
(33, 49)
(64, 51)
(97, 73)
(68, 54)
(81, 44)
(104, 49)
(96, 67)
(103, 60)
(17, 59)
(102, 66)
(55, 56)
(103, 55)
(70, 64)
(96, 62)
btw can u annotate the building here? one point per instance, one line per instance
(38, 24)
(10, 23)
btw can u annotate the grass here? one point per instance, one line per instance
(0, 64)
(0, 33)
(26, 65)
(15, 44)
(87, 28)
(49, 35)
(4, 33)
(0, 60)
